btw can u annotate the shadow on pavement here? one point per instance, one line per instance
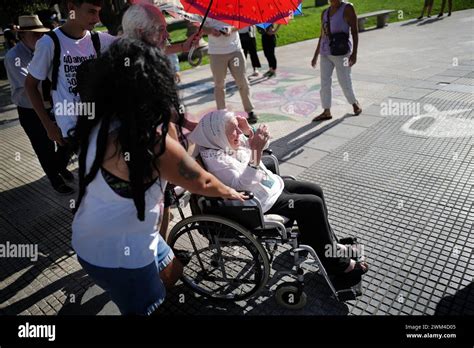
(285, 147)
(30, 215)
(461, 303)
(414, 21)
(431, 20)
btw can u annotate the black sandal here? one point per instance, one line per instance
(352, 242)
(349, 279)
(323, 117)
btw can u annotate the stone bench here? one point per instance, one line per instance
(382, 18)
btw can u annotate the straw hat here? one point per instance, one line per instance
(31, 23)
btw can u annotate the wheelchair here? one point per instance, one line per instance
(227, 248)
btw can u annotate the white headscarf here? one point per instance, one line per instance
(210, 133)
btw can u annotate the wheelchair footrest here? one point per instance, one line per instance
(350, 293)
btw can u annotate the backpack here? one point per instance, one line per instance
(57, 55)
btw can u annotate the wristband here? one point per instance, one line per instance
(252, 166)
(253, 131)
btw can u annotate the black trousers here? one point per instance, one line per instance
(269, 44)
(52, 162)
(249, 45)
(304, 202)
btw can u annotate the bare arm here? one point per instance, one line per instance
(273, 31)
(181, 169)
(351, 18)
(31, 87)
(184, 46)
(318, 47)
(211, 31)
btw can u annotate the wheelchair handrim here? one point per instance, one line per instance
(253, 246)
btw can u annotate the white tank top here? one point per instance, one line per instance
(106, 231)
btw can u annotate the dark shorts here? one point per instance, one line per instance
(136, 291)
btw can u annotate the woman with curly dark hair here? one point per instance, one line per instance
(126, 158)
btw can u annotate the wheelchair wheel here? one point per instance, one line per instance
(223, 260)
(288, 295)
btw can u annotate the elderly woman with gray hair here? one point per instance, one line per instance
(232, 151)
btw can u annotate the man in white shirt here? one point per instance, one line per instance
(76, 46)
(225, 51)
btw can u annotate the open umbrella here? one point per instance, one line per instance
(286, 20)
(242, 13)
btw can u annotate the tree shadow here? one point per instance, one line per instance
(461, 303)
(32, 215)
(74, 295)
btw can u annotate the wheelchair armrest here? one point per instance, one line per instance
(249, 195)
(271, 162)
(291, 177)
(268, 152)
(247, 213)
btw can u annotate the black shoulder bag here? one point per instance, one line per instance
(338, 42)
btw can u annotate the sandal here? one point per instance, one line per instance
(355, 245)
(357, 111)
(323, 117)
(349, 279)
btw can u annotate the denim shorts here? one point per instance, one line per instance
(136, 291)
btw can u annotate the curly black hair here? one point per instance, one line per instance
(133, 83)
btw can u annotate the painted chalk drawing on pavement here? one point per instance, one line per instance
(444, 124)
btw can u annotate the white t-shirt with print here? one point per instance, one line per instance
(73, 53)
(222, 44)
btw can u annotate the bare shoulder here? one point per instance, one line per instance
(349, 9)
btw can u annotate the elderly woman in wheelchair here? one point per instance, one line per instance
(229, 262)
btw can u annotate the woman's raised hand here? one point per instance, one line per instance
(244, 126)
(260, 138)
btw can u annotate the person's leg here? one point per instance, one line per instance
(272, 61)
(165, 222)
(450, 7)
(309, 212)
(266, 47)
(138, 291)
(443, 5)
(343, 71)
(253, 54)
(423, 10)
(42, 145)
(169, 266)
(237, 69)
(63, 156)
(171, 273)
(245, 41)
(429, 5)
(327, 68)
(305, 187)
(219, 70)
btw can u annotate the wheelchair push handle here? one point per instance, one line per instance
(249, 195)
